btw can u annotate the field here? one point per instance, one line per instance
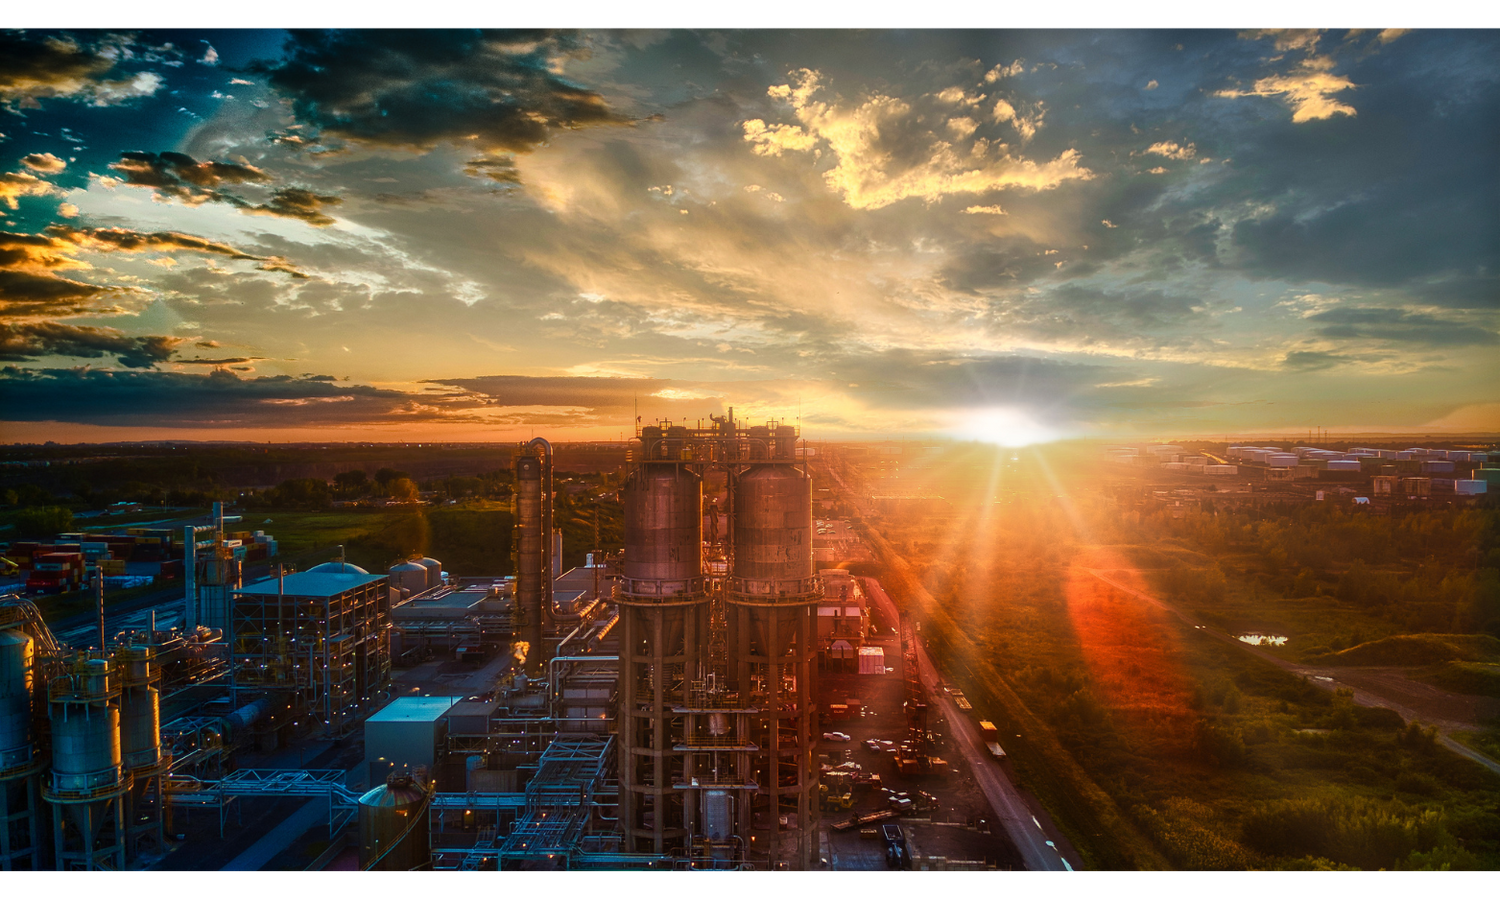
(1155, 744)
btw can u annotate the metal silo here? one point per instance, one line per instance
(88, 781)
(141, 752)
(772, 603)
(663, 604)
(393, 827)
(17, 657)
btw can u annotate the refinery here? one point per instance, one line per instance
(657, 708)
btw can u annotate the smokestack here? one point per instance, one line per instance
(190, 578)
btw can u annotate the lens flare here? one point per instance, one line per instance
(1002, 426)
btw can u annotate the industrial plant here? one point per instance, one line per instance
(652, 709)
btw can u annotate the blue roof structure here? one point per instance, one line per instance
(311, 584)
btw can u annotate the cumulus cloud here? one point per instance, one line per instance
(1173, 150)
(33, 340)
(872, 143)
(43, 162)
(1002, 71)
(1026, 124)
(500, 91)
(1309, 89)
(40, 67)
(984, 211)
(15, 185)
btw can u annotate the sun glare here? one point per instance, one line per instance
(1002, 426)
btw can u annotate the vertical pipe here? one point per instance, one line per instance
(190, 578)
(99, 597)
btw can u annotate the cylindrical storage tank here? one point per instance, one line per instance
(140, 709)
(663, 523)
(760, 442)
(434, 570)
(16, 660)
(773, 524)
(786, 442)
(85, 747)
(392, 830)
(409, 576)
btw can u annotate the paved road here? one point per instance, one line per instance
(1323, 678)
(1039, 852)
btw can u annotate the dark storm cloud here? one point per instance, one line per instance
(216, 399)
(1400, 326)
(101, 70)
(37, 339)
(416, 90)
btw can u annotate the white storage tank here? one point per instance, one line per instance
(434, 570)
(1343, 465)
(1282, 460)
(1470, 486)
(409, 576)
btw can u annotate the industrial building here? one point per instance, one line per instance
(656, 709)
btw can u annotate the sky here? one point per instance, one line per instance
(1008, 235)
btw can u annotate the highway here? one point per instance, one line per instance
(1037, 848)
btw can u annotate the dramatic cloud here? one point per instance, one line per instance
(499, 91)
(43, 162)
(31, 287)
(15, 185)
(39, 339)
(883, 152)
(216, 399)
(180, 177)
(62, 66)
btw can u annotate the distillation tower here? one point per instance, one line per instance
(717, 749)
(534, 549)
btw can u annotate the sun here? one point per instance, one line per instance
(1003, 427)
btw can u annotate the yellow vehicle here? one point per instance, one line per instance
(836, 801)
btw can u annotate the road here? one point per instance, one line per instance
(1037, 848)
(1328, 679)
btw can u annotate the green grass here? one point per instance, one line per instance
(1419, 650)
(1479, 678)
(468, 541)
